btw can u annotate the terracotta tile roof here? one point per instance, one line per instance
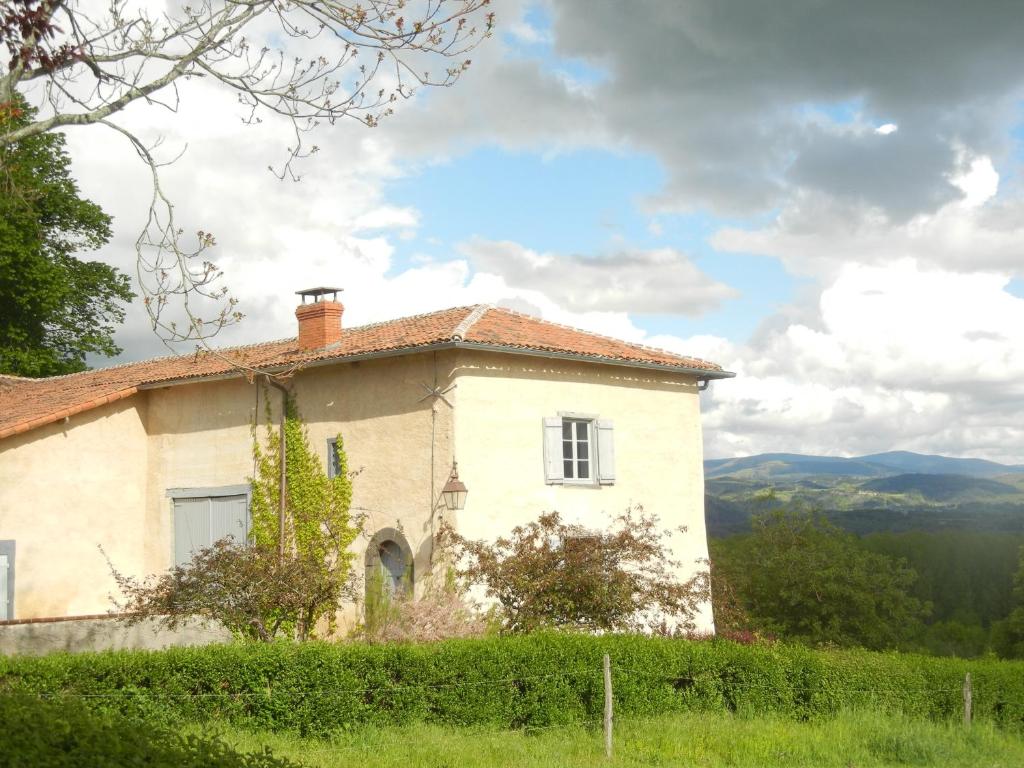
(29, 403)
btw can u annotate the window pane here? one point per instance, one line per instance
(566, 450)
(581, 430)
(583, 451)
(584, 468)
(335, 461)
(567, 469)
(567, 430)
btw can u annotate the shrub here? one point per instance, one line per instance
(64, 732)
(244, 587)
(503, 682)
(552, 574)
(441, 612)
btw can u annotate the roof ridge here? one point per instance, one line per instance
(176, 356)
(616, 339)
(417, 316)
(236, 348)
(479, 310)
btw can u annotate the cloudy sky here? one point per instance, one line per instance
(823, 196)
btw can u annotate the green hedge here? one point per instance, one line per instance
(527, 681)
(37, 733)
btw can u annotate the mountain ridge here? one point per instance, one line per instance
(791, 465)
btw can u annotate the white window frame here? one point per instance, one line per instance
(588, 420)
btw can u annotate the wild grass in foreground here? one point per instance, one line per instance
(851, 740)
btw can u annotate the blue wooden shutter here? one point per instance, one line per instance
(605, 452)
(5, 566)
(191, 527)
(228, 517)
(553, 473)
(7, 579)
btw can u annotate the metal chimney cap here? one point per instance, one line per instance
(318, 293)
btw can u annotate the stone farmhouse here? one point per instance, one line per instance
(151, 460)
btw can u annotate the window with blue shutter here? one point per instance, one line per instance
(204, 516)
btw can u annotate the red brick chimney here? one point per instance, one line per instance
(319, 321)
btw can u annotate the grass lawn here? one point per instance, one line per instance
(854, 740)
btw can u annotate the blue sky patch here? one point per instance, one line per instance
(585, 202)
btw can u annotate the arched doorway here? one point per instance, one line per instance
(389, 566)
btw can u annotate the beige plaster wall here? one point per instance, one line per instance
(501, 401)
(64, 490)
(103, 477)
(200, 437)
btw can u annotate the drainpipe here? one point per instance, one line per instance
(282, 484)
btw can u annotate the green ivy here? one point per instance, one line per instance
(318, 524)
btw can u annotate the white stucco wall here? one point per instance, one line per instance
(501, 402)
(65, 490)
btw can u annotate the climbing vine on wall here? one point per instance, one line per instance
(319, 528)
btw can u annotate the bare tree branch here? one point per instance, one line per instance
(309, 62)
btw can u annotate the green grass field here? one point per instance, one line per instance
(854, 740)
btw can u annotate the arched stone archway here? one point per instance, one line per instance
(389, 563)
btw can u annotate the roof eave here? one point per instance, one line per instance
(699, 373)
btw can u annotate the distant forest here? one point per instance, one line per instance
(957, 537)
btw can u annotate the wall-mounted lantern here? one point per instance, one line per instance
(454, 491)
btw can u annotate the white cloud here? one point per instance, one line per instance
(901, 357)
(887, 128)
(979, 183)
(814, 234)
(643, 282)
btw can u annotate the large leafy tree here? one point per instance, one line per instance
(54, 307)
(802, 578)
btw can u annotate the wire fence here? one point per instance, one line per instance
(618, 672)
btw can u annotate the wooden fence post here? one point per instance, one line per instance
(607, 706)
(967, 700)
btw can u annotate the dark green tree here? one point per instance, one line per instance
(54, 307)
(1008, 634)
(801, 578)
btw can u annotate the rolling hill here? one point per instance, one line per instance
(879, 492)
(942, 487)
(771, 465)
